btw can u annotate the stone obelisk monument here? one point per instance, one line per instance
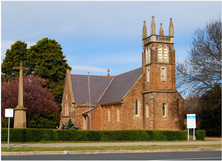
(20, 110)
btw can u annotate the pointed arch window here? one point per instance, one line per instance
(117, 114)
(108, 114)
(164, 110)
(148, 56)
(66, 109)
(137, 108)
(163, 54)
(166, 55)
(147, 111)
(160, 54)
(85, 122)
(163, 74)
(66, 106)
(148, 75)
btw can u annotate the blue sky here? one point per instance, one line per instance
(96, 36)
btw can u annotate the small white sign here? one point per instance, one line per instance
(8, 112)
(191, 121)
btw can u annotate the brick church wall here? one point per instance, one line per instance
(130, 121)
(111, 123)
(79, 117)
(96, 118)
(174, 119)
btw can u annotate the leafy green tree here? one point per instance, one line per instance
(49, 121)
(12, 59)
(38, 121)
(46, 60)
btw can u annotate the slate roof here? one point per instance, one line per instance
(98, 84)
(103, 89)
(120, 86)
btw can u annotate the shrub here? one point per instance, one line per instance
(37, 135)
(200, 134)
(69, 126)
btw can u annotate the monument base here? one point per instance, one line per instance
(20, 117)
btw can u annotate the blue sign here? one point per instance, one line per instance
(191, 117)
(191, 121)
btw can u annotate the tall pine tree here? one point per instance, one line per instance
(12, 59)
(46, 60)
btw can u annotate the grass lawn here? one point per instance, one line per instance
(140, 147)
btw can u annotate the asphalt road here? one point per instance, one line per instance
(201, 155)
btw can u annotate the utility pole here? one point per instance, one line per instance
(89, 99)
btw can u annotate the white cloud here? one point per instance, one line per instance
(106, 18)
(88, 68)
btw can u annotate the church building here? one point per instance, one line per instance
(144, 98)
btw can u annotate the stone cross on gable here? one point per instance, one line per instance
(108, 72)
(20, 94)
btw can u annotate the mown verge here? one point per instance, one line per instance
(90, 148)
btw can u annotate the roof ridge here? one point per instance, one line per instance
(91, 75)
(105, 90)
(104, 75)
(128, 71)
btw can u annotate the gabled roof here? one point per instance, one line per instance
(120, 86)
(103, 89)
(98, 84)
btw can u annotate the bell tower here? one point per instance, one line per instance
(162, 104)
(158, 58)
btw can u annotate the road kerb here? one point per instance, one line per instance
(108, 151)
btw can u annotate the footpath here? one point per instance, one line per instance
(191, 142)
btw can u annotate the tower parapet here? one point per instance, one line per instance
(159, 38)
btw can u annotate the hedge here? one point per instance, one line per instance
(200, 134)
(37, 135)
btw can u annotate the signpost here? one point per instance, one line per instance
(191, 124)
(8, 113)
